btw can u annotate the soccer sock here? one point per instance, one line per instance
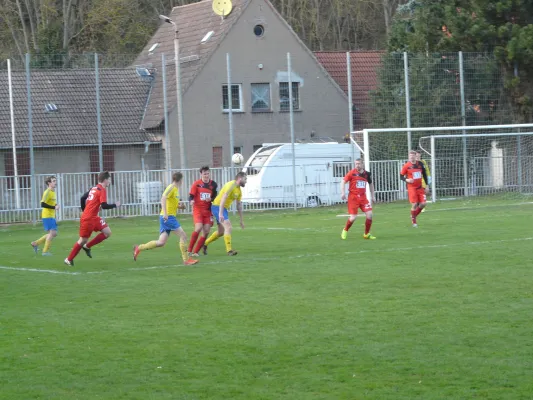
(41, 240)
(47, 245)
(214, 236)
(75, 250)
(194, 238)
(227, 241)
(148, 246)
(368, 224)
(183, 249)
(98, 239)
(418, 211)
(413, 216)
(199, 244)
(348, 225)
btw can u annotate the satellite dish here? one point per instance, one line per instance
(222, 7)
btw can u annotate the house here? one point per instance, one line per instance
(257, 40)
(64, 121)
(364, 68)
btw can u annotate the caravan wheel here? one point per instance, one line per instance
(313, 201)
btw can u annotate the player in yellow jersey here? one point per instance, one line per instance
(428, 173)
(230, 192)
(48, 215)
(168, 222)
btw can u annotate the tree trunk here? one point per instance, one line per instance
(24, 28)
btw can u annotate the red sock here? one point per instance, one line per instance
(348, 225)
(413, 216)
(200, 243)
(194, 238)
(75, 250)
(418, 211)
(368, 224)
(98, 239)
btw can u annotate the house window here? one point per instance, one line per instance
(217, 156)
(109, 160)
(23, 169)
(236, 98)
(284, 96)
(261, 97)
(237, 149)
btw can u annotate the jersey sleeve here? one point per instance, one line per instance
(45, 196)
(348, 176)
(168, 192)
(239, 196)
(214, 190)
(194, 189)
(404, 170)
(369, 177)
(103, 196)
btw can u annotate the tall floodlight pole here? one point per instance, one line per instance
(179, 109)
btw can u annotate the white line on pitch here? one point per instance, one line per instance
(394, 249)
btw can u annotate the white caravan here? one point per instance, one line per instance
(320, 168)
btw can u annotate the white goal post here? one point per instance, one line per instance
(464, 160)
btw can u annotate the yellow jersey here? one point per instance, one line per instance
(426, 167)
(234, 193)
(173, 199)
(49, 197)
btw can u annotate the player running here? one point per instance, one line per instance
(90, 221)
(428, 173)
(414, 174)
(48, 215)
(230, 191)
(358, 179)
(168, 222)
(202, 192)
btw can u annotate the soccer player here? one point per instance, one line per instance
(202, 192)
(170, 203)
(358, 179)
(414, 174)
(230, 192)
(90, 220)
(48, 215)
(428, 173)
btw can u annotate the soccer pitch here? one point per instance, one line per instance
(439, 312)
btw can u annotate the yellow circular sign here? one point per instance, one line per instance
(222, 7)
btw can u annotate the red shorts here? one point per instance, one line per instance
(203, 217)
(361, 203)
(90, 225)
(417, 195)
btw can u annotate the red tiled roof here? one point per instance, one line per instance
(364, 65)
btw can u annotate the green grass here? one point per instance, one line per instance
(439, 312)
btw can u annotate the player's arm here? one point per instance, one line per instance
(83, 200)
(192, 194)
(371, 187)
(225, 197)
(164, 206)
(44, 200)
(239, 209)
(214, 191)
(104, 204)
(425, 176)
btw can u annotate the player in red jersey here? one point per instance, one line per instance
(90, 220)
(202, 192)
(358, 179)
(414, 174)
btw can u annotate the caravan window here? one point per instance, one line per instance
(260, 159)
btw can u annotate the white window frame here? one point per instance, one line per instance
(298, 98)
(269, 97)
(233, 109)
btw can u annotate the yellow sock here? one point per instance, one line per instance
(227, 240)
(47, 245)
(40, 241)
(214, 236)
(148, 246)
(184, 252)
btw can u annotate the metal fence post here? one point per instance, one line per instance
(407, 97)
(463, 120)
(98, 116)
(30, 137)
(13, 136)
(168, 156)
(350, 96)
(291, 124)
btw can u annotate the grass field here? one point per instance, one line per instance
(444, 311)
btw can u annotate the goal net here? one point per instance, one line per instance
(463, 161)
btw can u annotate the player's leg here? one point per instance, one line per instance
(36, 243)
(206, 228)
(227, 234)
(183, 247)
(51, 235)
(105, 233)
(220, 231)
(85, 230)
(163, 237)
(352, 211)
(421, 202)
(368, 222)
(198, 226)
